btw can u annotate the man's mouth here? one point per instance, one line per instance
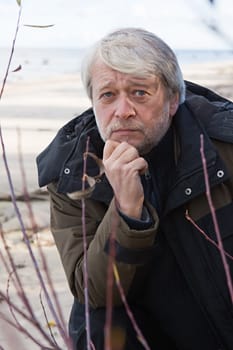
(124, 132)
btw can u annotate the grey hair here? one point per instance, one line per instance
(136, 51)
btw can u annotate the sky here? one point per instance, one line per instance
(183, 24)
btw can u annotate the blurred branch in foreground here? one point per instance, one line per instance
(211, 21)
(26, 309)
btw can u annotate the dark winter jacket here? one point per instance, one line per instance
(170, 268)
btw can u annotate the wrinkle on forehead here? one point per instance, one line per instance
(104, 77)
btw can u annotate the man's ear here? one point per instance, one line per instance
(174, 104)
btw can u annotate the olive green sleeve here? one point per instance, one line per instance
(68, 220)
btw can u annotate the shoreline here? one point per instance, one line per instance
(216, 76)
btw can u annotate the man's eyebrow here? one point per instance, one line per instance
(105, 85)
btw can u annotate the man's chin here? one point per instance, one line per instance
(123, 138)
(141, 148)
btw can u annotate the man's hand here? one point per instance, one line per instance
(123, 167)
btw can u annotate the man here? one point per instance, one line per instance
(145, 125)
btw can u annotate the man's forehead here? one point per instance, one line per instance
(105, 79)
(102, 72)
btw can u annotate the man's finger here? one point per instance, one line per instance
(109, 147)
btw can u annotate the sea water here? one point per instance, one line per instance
(40, 63)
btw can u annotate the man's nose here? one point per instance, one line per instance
(124, 108)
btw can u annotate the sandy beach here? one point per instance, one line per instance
(31, 112)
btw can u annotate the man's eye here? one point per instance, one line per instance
(107, 94)
(140, 93)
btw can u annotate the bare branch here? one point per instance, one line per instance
(214, 218)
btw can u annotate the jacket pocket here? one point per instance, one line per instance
(224, 218)
(212, 254)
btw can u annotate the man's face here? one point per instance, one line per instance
(131, 108)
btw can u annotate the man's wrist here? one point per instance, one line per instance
(134, 211)
(144, 223)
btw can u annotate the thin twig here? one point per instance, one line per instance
(85, 269)
(18, 285)
(47, 320)
(188, 217)
(12, 52)
(62, 331)
(20, 291)
(24, 183)
(140, 336)
(33, 258)
(35, 230)
(214, 218)
(32, 321)
(26, 332)
(109, 283)
(8, 297)
(113, 273)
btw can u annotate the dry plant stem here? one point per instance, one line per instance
(19, 288)
(35, 264)
(25, 300)
(12, 52)
(8, 297)
(108, 323)
(188, 217)
(16, 281)
(35, 230)
(24, 183)
(113, 272)
(85, 269)
(30, 320)
(109, 282)
(216, 226)
(18, 285)
(27, 333)
(140, 336)
(23, 296)
(18, 310)
(47, 320)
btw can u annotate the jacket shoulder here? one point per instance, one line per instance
(50, 161)
(213, 111)
(220, 126)
(77, 124)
